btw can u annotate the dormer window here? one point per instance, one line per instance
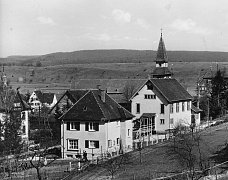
(84, 108)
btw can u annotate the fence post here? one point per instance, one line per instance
(69, 166)
(79, 165)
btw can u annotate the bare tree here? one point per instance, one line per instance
(129, 90)
(113, 165)
(186, 148)
(39, 160)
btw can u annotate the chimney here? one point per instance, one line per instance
(98, 86)
(102, 95)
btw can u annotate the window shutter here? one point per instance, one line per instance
(86, 144)
(96, 126)
(86, 126)
(68, 125)
(97, 144)
(78, 126)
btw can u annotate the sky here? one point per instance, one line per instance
(37, 27)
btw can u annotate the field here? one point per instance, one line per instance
(57, 78)
(155, 161)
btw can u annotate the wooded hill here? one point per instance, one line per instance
(115, 56)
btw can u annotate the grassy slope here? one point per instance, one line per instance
(155, 161)
(65, 75)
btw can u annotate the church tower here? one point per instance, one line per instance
(161, 69)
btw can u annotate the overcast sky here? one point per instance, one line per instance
(36, 27)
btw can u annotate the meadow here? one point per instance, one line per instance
(57, 78)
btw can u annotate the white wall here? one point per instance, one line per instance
(126, 137)
(150, 106)
(25, 122)
(154, 106)
(83, 135)
(107, 131)
(181, 117)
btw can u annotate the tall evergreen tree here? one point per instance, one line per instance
(218, 92)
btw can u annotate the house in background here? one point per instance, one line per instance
(21, 106)
(93, 122)
(196, 115)
(39, 99)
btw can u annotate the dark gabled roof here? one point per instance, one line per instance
(161, 71)
(45, 97)
(118, 97)
(16, 97)
(195, 109)
(171, 90)
(161, 52)
(91, 107)
(75, 95)
(20, 98)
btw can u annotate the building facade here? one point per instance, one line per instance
(93, 122)
(39, 99)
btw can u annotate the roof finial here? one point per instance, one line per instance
(161, 31)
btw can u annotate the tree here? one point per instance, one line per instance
(128, 91)
(186, 148)
(11, 122)
(113, 165)
(218, 94)
(40, 159)
(38, 64)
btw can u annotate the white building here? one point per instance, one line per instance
(93, 122)
(39, 99)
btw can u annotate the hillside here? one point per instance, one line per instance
(115, 56)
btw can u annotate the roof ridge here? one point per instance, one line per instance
(160, 90)
(139, 88)
(73, 105)
(98, 103)
(120, 105)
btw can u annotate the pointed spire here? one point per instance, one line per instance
(161, 52)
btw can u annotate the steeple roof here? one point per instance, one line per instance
(161, 52)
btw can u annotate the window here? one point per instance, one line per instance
(72, 144)
(92, 126)
(137, 108)
(73, 126)
(162, 109)
(118, 141)
(128, 132)
(150, 96)
(23, 130)
(171, 108)
(162, 121)
(109, 143)
(23, 115)
(91, 144)
(188, 105)
(17, 104)
(177, 107)
(171, 121)
(183, 107)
